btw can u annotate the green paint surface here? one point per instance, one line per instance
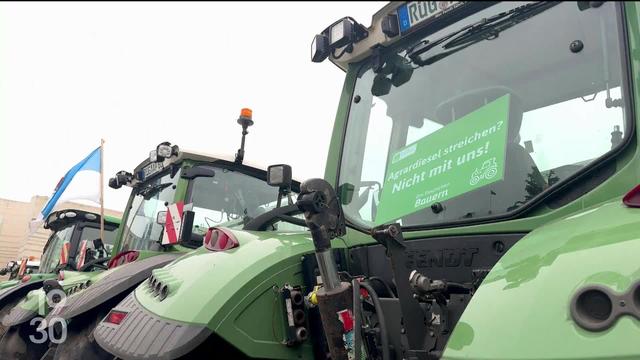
(522, 309)
(465, 155)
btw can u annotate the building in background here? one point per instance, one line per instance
(15, 241)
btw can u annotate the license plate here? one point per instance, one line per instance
(152, 169)
(416, 12)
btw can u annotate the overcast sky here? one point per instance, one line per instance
(137, 74)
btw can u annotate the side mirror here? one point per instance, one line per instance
(98, 244)
(186, 229)
(280, 176)
(161, 218)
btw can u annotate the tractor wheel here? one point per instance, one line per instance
(79, 342)
(18, 343)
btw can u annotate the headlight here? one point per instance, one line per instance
(164, 151)
(319, 48)
(341, 34)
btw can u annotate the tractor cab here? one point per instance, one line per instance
(472, 204)
(180, 200)
(475, 135)
(73, 246)
(75, 243)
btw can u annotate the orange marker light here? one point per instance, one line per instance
(246, 113)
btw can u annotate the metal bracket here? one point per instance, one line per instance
(415, 320)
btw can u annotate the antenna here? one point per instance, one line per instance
(246, 121)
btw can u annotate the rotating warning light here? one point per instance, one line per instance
(246, 117)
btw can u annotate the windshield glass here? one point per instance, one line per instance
(141, 229)
(231, 199)
(51, 256)
(90, 233)
(483, 130)
(93, 232)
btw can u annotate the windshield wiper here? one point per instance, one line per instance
(485, 29)
(149, 191)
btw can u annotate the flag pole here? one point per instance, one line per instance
(102, 190)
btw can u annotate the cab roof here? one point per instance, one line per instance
(199, 156)
(58, 219)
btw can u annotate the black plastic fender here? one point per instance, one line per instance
(143, 335)
(120, 280)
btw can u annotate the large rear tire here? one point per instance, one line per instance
(79, 342)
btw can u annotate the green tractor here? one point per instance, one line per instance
(485, 162)
(74, 244)
(13, 268)
(178, 198)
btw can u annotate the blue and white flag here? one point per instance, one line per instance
(81, 182)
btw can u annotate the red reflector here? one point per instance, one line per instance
(632, 199)
(220, 239)
(115, 317)
(26, 278)
(123, 258)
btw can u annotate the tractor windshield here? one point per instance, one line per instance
(231, 198)
(472, 122)
(51, 256)
(142, 229)
(85, 250)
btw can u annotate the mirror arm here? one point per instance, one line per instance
(186, 230)
(293, 220)
(259, 222)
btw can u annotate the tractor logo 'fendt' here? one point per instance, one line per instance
(441, 258)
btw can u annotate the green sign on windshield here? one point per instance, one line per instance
(460, 157)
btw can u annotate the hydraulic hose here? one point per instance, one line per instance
(357, 319)
(381, 320)
(457, 287)
(384, 283)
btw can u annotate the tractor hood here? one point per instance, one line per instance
(229, 293)
(204, 282)
(105, 285)
(534, 283)
(35, 302)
